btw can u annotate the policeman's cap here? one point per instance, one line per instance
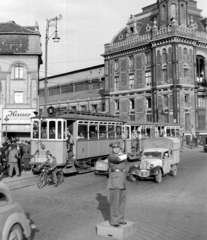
(115, 144)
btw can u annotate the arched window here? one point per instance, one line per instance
(200, 69)
(185, 55)
(164, 55)
(182, 11)
(173, 11)
(18, 71)
(163, 13)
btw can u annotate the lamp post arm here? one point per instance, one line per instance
(49, 23)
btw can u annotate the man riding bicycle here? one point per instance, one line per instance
(52, 163)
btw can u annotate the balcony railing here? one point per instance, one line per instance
(154, 34)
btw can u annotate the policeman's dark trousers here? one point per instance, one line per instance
(117, 205)
(11, 168)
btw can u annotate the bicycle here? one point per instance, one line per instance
(46, 177)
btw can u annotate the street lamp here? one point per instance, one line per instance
(6, 119)
(50, 23)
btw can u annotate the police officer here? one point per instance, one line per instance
(117, 185)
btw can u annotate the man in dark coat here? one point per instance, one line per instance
(13, 160)
(26, 155)
(117, 185)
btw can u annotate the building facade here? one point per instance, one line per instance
(20, 59)
(155, 67)
(81, 90)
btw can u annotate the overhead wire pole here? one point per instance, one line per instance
(56, 39)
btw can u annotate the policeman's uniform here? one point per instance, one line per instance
(117, 187)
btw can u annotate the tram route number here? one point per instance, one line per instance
(40, 159)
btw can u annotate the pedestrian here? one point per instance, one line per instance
(26, 155)
(13, 160)
(117, 185)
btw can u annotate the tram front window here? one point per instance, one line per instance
(43, 129)
(59, 130)
(52, 130)
(36, 129)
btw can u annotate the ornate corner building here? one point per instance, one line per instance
(155, 67)
(20, 59)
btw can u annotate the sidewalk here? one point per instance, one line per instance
(26, 179)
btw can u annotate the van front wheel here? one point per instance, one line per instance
(158, 177)
(174, 170)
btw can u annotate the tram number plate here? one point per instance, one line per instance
(40, 159)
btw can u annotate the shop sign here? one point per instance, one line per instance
(18, 116)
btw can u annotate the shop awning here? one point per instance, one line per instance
(16, 128)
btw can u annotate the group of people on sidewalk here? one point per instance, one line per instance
(13, 154)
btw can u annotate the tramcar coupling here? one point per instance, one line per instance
(92, 136)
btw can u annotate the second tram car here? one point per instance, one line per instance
(136, 131)
(91, 135)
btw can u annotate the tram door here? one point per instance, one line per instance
(71, 143)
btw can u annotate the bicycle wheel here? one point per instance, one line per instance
(60, 176)
(42, 180)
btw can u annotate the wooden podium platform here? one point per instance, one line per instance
(104, 229)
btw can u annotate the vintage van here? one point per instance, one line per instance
(160, 156)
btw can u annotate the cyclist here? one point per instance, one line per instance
(52, 163)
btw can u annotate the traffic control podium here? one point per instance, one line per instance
(104, 229)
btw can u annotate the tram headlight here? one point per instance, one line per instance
(151, 166)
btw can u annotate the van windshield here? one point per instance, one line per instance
(152, 155)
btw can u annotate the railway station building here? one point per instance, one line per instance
(20, 59)
(155, 67)
(154, 70)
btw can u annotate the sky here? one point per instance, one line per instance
(85, 27)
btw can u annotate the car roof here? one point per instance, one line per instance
(156, 150)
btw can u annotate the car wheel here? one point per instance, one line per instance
(133, 178)
(16, 233)
(174, 171)
(158, 177)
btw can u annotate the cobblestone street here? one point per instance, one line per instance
(174, 209)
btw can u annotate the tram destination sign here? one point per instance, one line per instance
(18, 116)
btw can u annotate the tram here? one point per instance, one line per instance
(92, 136)
(136, 131)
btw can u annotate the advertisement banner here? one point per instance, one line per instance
(17, 116)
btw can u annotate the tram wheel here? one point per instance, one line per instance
(41, 181)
